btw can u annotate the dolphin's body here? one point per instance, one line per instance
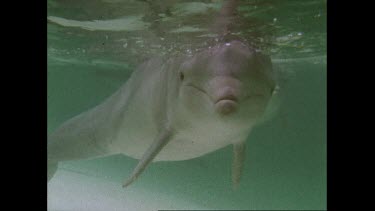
(173, 110)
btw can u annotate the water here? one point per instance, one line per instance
(93, 46)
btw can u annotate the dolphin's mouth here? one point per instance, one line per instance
(227, 98)
(223, 98)
(224, 105)
(196, 88)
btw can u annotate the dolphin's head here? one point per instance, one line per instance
(229, 79)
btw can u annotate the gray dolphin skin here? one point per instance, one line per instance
(174, 109)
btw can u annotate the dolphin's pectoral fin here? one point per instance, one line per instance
(238, 162)
(162, 139)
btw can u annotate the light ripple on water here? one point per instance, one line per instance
(130, 23)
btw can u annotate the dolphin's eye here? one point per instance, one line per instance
(182, 76)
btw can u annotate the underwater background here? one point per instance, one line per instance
(93, 47)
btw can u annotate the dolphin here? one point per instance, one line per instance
(175, 109)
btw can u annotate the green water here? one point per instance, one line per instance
(91, 54)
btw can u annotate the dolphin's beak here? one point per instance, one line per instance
(226, 99)
(228, 96)
(226, 107)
